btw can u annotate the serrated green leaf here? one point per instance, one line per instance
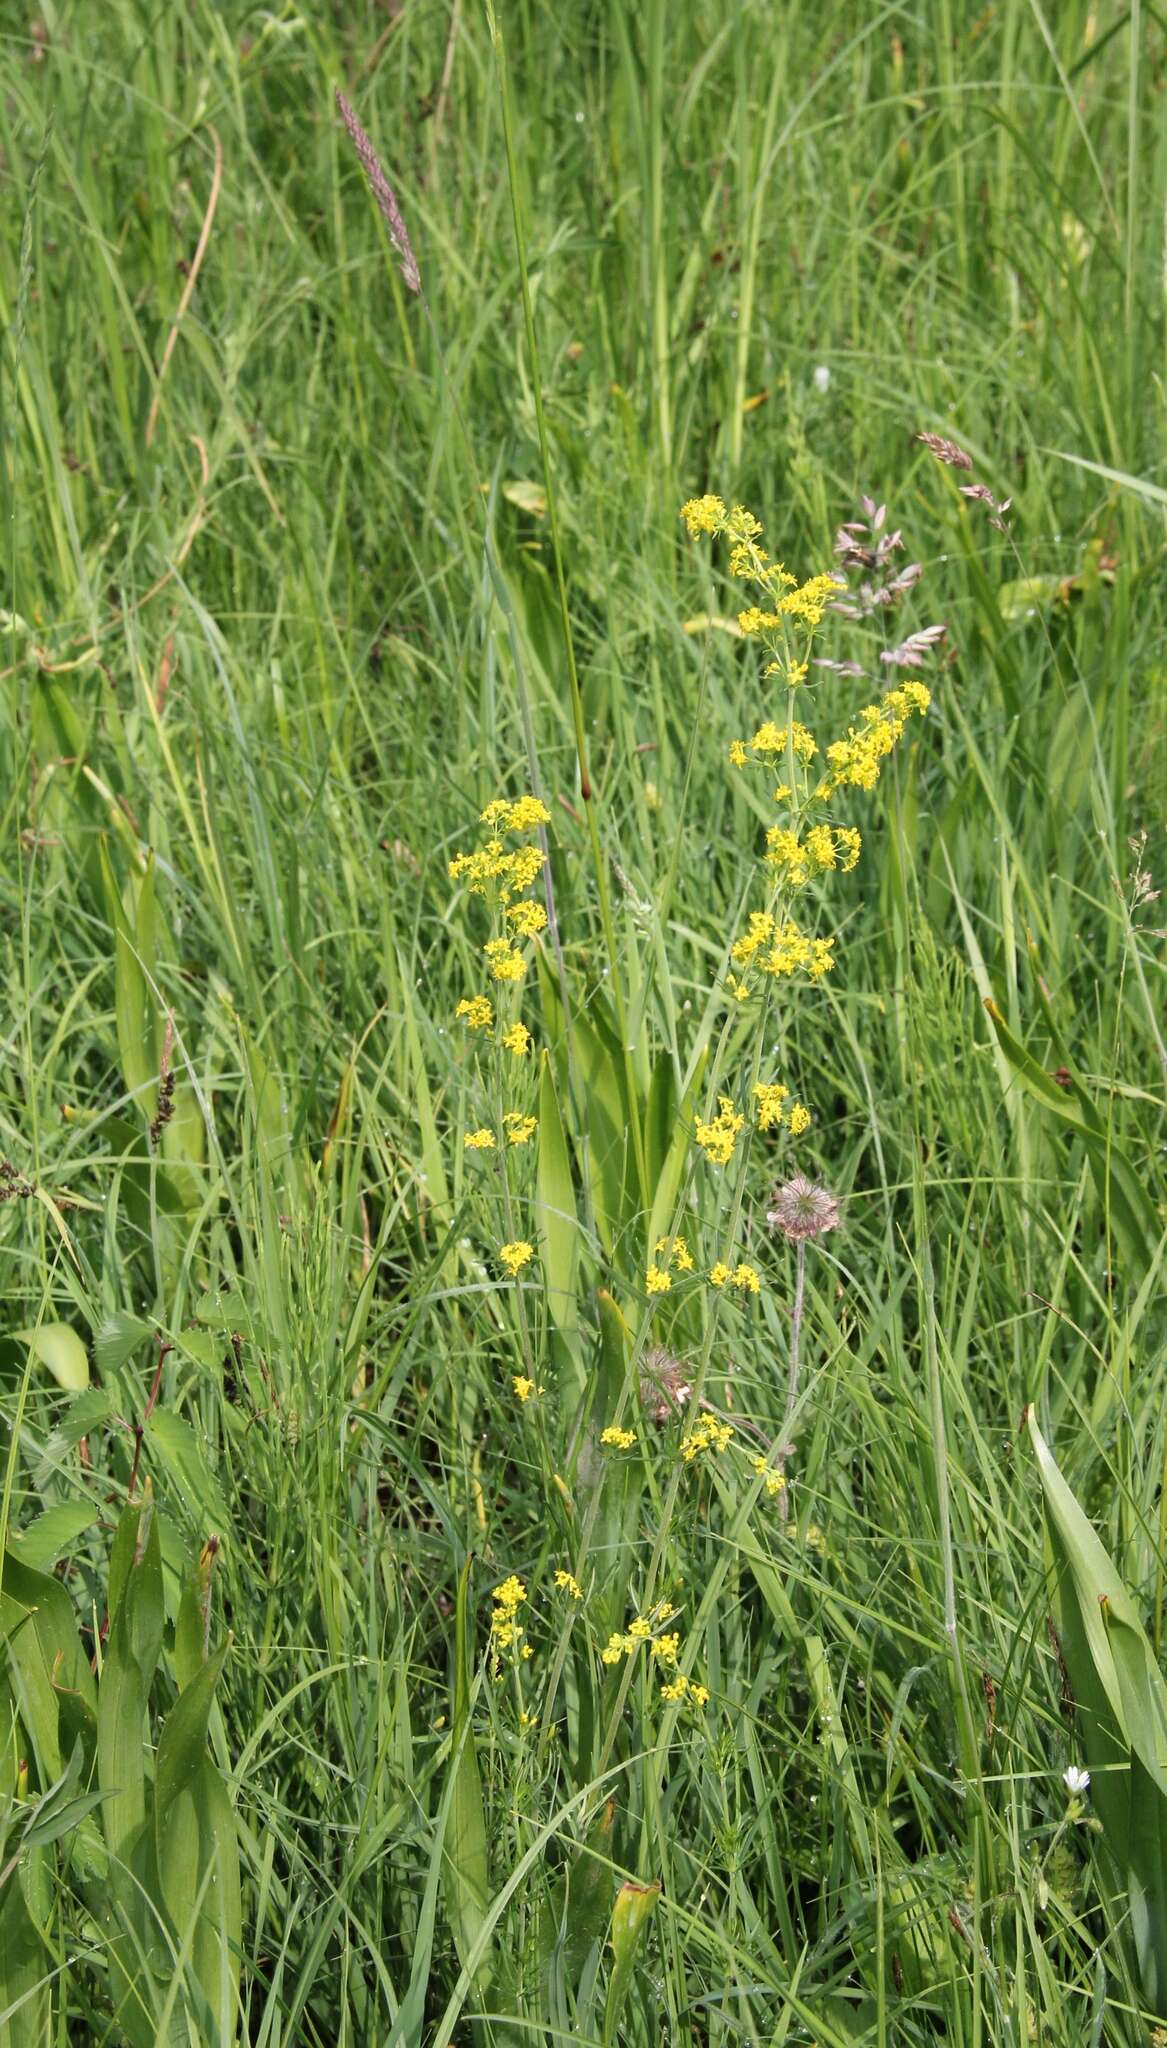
(48, 1536)
(117, 1339)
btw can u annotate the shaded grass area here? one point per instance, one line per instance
(260, 680)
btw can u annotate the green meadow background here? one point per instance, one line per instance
(281, 617)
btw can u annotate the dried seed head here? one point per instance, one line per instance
(800, 1208)
(382, 192)
(946, 451)
(665, 1386)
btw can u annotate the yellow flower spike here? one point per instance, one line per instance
(746, 1278)
(517, 1040)
(799, 1119)
(479, 1141)
(523, 1387)
(719, 1274)
(567, 1584)
(618, 1439)
(657, 1281)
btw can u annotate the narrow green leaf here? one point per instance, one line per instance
(465, 1868)
(555, 1211)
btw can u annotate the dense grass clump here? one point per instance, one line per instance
(582, 1368)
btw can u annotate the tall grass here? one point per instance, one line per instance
(263, 667)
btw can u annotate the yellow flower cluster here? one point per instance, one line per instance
(684, 1688)
(519, 1128)
(618, 1439)
(479, 1141)
(516, 1040)
(718, 1136)
(505, 963)
(664, 1649)
(822, 848)
(806, 601)
(857, 759)
(778, 949)
(675, 1254)
(775, 1482)
(478, 1012)
(707, 1434)
(742, 1276)
(516, 1255)
(523, 1387)
(568, 1584)
(773, 739)
(771, 1099)
(527, 918)
(505, 1631)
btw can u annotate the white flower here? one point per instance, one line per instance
(1075, 1780)
(822, 377)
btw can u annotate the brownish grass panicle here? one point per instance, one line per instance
(382, 192)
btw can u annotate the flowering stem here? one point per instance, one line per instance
(585, 784)
(792, 1382)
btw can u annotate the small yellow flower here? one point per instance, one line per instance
(619, 1439)
(568, 1584)
(516, 1255)
(516, 1040)
(478, 1012)
(657, 1281)
(699, 1694)
(640, 1630)
(510, 1595)
(719, 1274)
(524, 1388)
(747, 1279)
(737, 754)
(676, 1690)
(519, 1128)
(665, 1648)
(479, 1141)
(800, 1119)
(526, 1652)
